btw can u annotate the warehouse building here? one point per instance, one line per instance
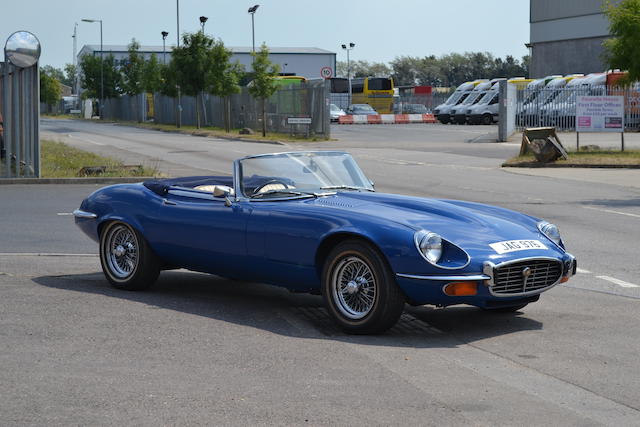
(566, 37)
(301, 61)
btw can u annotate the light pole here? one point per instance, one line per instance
(101, 65)
(252, 11)
(350, 47)
(203, 20)
(178, 106)
(74, 89)
(164, 50)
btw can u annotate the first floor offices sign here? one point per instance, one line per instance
(600, 114)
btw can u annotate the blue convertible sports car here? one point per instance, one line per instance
(312, 222)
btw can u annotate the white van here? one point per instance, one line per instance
(443, 111)
(487, 110)
(530, 115)
(458, 113)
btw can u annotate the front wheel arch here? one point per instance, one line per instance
(333, 240)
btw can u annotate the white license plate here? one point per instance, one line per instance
(517, 245)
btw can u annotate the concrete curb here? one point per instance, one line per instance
(568, 165)
(103, 181)
(203, 134)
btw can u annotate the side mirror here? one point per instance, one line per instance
(223, 191)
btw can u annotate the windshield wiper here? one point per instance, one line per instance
(344, 187)
(266, 193)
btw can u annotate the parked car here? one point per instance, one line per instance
(312, 222)
(415, 109)
(443, 111)
(335, 112)
(361, 109)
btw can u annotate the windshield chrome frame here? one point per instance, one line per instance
(239, 196)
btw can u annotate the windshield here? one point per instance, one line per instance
(363, 107)
(300, 174)
(488, 96)
(472, 98)
(453, 98)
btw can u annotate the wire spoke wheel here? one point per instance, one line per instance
(121, 247)
(354, 287)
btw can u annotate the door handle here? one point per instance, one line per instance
(168, 202)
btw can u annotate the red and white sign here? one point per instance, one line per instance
(326, 72)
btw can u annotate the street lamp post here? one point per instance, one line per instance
(203, 20)
(100, 109)
(178, 106)
(349, 48)
(164, 50)
(252, 11)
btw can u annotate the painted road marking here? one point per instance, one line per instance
(582, 271)
(86, 140)
(614, 212)
(64, 213)
(618, 282)
(44, 254)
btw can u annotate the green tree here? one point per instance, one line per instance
(263, 84)
(623, 49)
(90, 81)
(51, 71)
(192, 63)
(132, 75)
(70, 75)
(152, 75)
(50, 89)
(223, 78)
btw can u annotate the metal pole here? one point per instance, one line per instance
(6, 110)
(349, 78)
(101, 72)
(622, 139)
(75, 61)
(36, 123)
(577, 141)
(179, 107)
(253, 35)
(164, 52)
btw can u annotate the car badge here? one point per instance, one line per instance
(526, 272)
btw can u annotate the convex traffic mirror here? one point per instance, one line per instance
(22, 49)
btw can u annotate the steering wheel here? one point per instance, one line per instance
(273, 184)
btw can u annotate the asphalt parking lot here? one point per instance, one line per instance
(199, 349)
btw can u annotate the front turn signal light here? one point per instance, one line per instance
(564, 279)
(460, 289)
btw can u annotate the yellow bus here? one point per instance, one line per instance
(375, 91)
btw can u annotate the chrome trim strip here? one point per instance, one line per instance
(84, 214)
(445, 278)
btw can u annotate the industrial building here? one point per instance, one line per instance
(566, 37)
(302, 61)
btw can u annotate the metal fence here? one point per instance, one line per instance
(557, 107)
(19, 108)
(310, 99)
(401, 104)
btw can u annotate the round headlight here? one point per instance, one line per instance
(430, 245)
(551, 231)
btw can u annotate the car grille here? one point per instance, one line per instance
(510, 279)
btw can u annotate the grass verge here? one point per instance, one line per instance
(217, 132)
(601, 158)
(58, 160)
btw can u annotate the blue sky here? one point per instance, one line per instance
(381, 30)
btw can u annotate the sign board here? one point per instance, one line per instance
(600, 114)
(326, 72)
(299, 120)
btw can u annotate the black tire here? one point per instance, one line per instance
(372, 288)
(511, 309)
(487, 119)
(127, 260)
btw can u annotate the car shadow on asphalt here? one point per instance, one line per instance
(613, 203)
(279, 311)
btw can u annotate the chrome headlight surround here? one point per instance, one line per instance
(552, 232)
(429, 245)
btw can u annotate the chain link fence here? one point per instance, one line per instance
(307, 100)
(557, 107)
(404, 104)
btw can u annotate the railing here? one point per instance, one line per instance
(557, 107)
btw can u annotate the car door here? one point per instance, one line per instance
(201, 232)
